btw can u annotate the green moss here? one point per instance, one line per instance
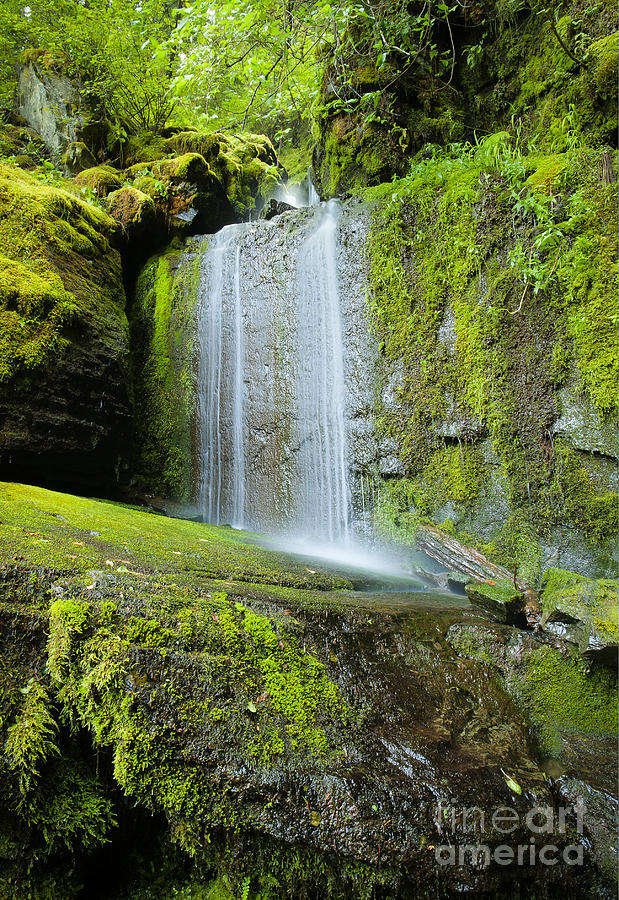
(66, 619)
(31, 739)
(478, 336)
(577, 494)
(592, 603)
(143, 148)
(70, 808)
(100, 179)
(245, 164)
(147, 632)
(554, 579)
(251, 675)
(181, 556)
(132, 209)
(547, 170)
(57, 270)
(162, 338)
(604, 54)
(291, 686)
(562, 695)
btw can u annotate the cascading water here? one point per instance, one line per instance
(271, 383)
(286, 376)
(220, 399)
(312, 194)
(324, 497)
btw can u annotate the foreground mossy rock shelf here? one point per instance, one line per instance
(283, 735)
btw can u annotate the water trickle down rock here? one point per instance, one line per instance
(284, 372)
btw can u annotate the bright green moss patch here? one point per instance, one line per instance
(145, 655)
(284, 682)
(56, 270)
(562, 695)
(31, 739)
(547, 170)
(162, 329)
(604, 54)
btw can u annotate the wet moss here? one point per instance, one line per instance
(591, 604)
(470, 320)
(57, 269)
(563, 695)
(162, 330)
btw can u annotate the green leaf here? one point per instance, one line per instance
(511, 784)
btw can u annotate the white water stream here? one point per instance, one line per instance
(305, 380)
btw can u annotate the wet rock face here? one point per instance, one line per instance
(279, 347)
(572, 710)
(69, 425)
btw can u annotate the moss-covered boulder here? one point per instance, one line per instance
(137, 216)
(186, 192)
(500, 600)
(100, 179)
(245, 166)
(240, 698)
(64, 408)
(581, 610)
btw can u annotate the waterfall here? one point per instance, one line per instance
(323, 465)
(280, 374)
(312, 194)
(220, 399)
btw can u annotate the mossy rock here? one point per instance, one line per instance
(249, 717)
(133, 210)
(581, 610)
(187, 194)
(245, 165)
(604, 55)
(100, 179)
(62, 310)
(163, 344)
(465, 362)
(498, 599)
(77, 157)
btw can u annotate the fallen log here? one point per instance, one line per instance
(457, 557)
